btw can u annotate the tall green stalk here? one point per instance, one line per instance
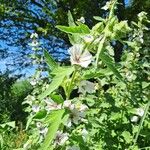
(70, 87)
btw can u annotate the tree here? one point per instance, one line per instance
(19, 18)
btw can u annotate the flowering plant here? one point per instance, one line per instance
(110, 108)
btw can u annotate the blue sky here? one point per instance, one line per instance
(4, 45)
(127, 2)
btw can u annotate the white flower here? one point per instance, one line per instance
(74, 147)
(75, 116)
(68, 123)
(81, 107)
(142, 15)
(86, 86)
(51, 105)
(38, 124)
(43, 130)
(84, 134)
(140, 112)
(68, 104)
(134, 119)
(33, 82)
(34, 43)
(34, 35)
(79, 57)
(107, 6)
(61, 138)
(88, 38)
(78, 113)
(35, 108)
(27, 145)
(82, 20)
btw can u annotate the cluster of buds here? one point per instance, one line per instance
(34, 44)
(77, 111)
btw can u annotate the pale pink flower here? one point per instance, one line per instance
(79, 56)
(68, 104)
(61, 138)
(51, 105)
(78, 113)
(86, 86)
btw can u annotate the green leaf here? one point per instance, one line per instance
(55, 119)
(29, 121)
(98, 28)
(108, 61)
(81, 29)
(70, 19)
(145, 84)
(57, 98)
(61, 73)
(56, 82)
(99, 18)
(127, 136)
(92, 73)
(1, 141)
(75, 38)
(49, 60)
(41, 114)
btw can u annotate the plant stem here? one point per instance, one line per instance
(69, 89)
(141, 123)
(101, 44)
(100, 47)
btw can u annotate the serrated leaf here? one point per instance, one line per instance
(55, 121)
(81, 29)
(49, 60)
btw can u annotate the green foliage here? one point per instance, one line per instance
(80, 29)
(60, 73)
(12, 94)
(95, 103)
(54, 119)
(49, 60)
